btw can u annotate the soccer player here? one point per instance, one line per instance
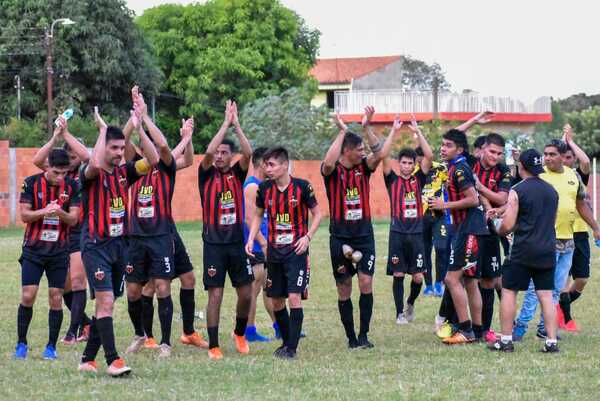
(220, 182)
(346, 171)
(287, 201)
(493, 181)
(105, 182)
(468, 222)
(530, 213)
(49, 206)
(260, 246)
(405, 254)
(76, 284)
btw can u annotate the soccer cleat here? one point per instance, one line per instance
(401, 319)
(353, 344)
(549, 348)
(347, 251)
(277, 331)
(85, 334)
(438, 289)
(363, 342)
(445, 331)
(498, 345)
(280, 350)
(215, 353)
(542, 334)
(518, 332)
(254, 336)
(460, 337)
(21, 351)
(150, 343)
(89, 366)
(410, 312)
(194, 339)
(164, 350)
(136, 344)
(49, 353)
(560, 316)
(118, 368)
(69, 339)
(241, 344)
(490, 336)
(428, 292)
(571, 326)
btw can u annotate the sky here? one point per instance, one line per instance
(519, 48)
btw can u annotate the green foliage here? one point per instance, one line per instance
(418, 75)
(23, 133)
(586, 126)
(222, 49)
(578, 102)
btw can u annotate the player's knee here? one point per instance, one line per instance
(344, 289)
(418, 278)
(398, 274)
(295, 300)
(215, 295)
(580, 283)
(28, 296)
(188, 280)
(134, 291)
(488, 283)
(163, 288)
(55, 298)
(278, 303)
(78, 282)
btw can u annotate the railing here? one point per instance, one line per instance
(354, 102)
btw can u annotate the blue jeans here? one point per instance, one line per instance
(530, 302)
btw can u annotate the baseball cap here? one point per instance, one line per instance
(532, 161)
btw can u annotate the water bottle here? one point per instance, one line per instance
(67, 114)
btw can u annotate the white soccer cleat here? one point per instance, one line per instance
(136, 344)
(410, 312)
(164, 351)
(401, 320)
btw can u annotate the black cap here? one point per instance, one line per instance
(532, 161)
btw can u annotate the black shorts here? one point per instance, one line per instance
(516, 277)
(150, 257)
(405, 254)
(220, 260)
(580, 267)
(489, 256)
(344, 268)
(33, 267)
(74, 242)
(435, 227)
(257, 259)
(183, 264)
(287, 276)
(105, 265)
(464, 254)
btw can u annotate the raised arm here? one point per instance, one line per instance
(335, 149)
(482, 118)
(160, 142)
(422, 142)
(95, 164)
(245, 147)
(209, 154)
(148, 148)
(372, 140)
(584, 160)
(40, 159)
(184, 151)
(386, 150)
(76, 147)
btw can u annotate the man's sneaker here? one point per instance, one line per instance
(254, 336)
(410, 312)
(500, 346)
(241, 344)
(280, 350)
(518, 332)
(571, 326)
(438, 289)
(69, 339)
(363, 342)
(302, 334)
(150, 343)
(136, 344)
(490, 336)
(550, 348)
(21, 351)
(84, 335)
(49, 353)
(445, 331)
(215, 353)
(89, 366)
(401, 319)
(353, 344)
(542, 334)
(428, 292)
(164, 350)
(194, 339)
(460, 337)
(277, 331)
(118, 368)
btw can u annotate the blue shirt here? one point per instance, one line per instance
(263, 225)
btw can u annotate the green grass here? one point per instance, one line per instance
(406, 363)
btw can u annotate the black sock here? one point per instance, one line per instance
(365, 304)
(565, 305)
(347, 317)
(213, 337)
(188, 307)
(477, 330)
(240, 325)
(574, 295)
(165, 315)
(147, 315)
(447, 305)
(24, 314)
(135, 314)
(415, 290)
(77, 310)
(55, 318)
(283, 321)
(487, 307)
(296, 317)
(107, 337)
(465, 326)
(68, 298)
(93, 343)
(398, 291)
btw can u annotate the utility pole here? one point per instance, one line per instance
(49, 73)
(19, 88)
(435, 96)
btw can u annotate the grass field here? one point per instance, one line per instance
(407, 362)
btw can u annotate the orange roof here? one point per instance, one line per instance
(343, 70)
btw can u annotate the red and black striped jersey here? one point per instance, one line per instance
(222, 197)
(460, 179)
(49, 235)
(287, 214)
(105, 199)
(496, 179)
(406, 205)
(150, 211)
(348, 195)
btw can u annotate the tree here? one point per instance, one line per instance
(222, 49)
(586, 126)
(418, 75)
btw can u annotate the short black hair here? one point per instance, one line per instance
(419, 151)
(569, 149)
(229, 143)
(257, 155)
(68, 148)
(458, 137)
(494, 139)
(408, 153)
(114, 134)
(480, 141)
(351, 141)
(279, 152)
(559, 144)
(58, 158)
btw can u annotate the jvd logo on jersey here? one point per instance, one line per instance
(283, 221)
(226, 200)
(117, 208)
(352, 196)
(145, 194)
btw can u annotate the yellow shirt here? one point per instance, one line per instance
(569, 188)
(437, 176)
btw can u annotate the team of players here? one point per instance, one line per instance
(123, 226)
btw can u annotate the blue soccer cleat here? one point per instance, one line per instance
(438, 289)
(49, 353)
(277, 331)
(254, 336)
(21, 351)
(519, 332)
(428, 292)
